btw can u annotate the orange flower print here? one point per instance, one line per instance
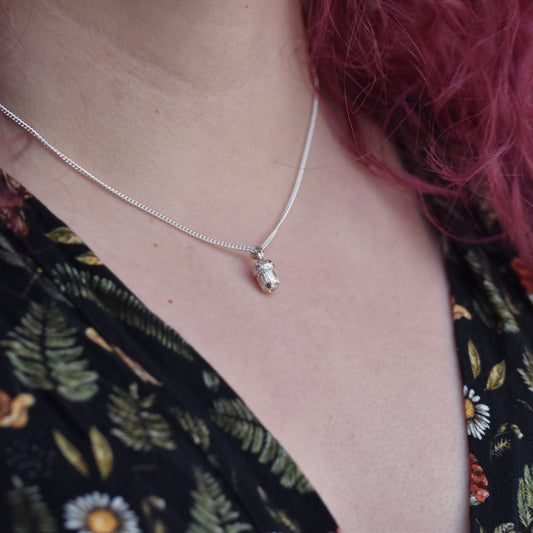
(12, 196)
(478, 483)
(14, 411)
(525, 275)
(459, 311)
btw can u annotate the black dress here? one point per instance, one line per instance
(111, 423)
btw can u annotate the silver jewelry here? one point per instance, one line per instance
(263, 270)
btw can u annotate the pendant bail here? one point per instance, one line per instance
(264, 269)
(257, 253)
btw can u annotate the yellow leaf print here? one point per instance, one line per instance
(89, 259)
(71, 453)
(159, 527)
(64, 235)
(496, 376)
(475, 361)
(103, 454)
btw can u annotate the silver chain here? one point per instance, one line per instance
(254, 250)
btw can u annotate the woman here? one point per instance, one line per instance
(198, 109)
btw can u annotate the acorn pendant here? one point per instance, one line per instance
(264, 272)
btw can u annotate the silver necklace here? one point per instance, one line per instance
(263, 269)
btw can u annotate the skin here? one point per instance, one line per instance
(199, 109)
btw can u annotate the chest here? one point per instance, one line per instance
(357, 377)
(351, 365)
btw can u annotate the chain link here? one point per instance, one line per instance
(164, 218)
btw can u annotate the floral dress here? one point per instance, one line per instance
(492, 297)
(111, 423)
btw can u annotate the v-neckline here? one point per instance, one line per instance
(55, 222)
(44, 217)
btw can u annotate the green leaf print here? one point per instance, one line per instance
(120, 304)
(279, 515)
(64, 235)
(9, 255)
(236, 419)
(490, 304)
(527, 372)
(212, 512)
(525, 497)
(195, 427)
(29, 514)
(508, 527)
(137, 425)
(46, 354)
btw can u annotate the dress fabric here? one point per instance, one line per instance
(111, 423)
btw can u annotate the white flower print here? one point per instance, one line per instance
(99, 513)
(477, 414)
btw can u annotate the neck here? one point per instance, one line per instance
(133, 88)
(196, 42)
(198, 49)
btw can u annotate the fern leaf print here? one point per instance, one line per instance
(46, 353)
(119, 303)
(491, 304)
(136, 423)
(212, 512)
(195, 427)
(29, 513)
(525, 497)
(235, 418)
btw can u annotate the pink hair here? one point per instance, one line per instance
(451, 81)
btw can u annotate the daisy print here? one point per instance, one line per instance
(477, 414)
(99, 513)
